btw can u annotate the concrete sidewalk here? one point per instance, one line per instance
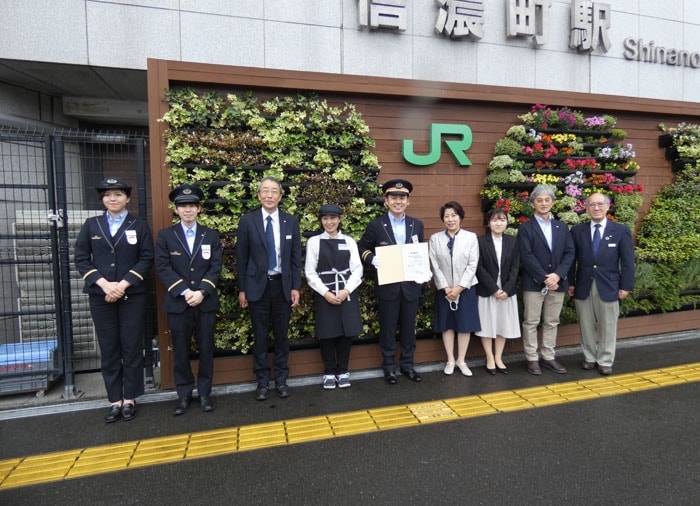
(90, 392)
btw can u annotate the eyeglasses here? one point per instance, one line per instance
(597, 204)
(269, 191)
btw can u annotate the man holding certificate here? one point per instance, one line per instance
(399, 300)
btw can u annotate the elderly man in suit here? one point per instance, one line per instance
(601, 276)
(398, 302)
(268, 256)
(546, 255)
(188, 262)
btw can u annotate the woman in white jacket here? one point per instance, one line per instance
(454, 256)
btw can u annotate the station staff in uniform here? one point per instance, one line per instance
(113, 254)
(188, 262)
(398, 302)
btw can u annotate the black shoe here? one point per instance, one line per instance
(502, 370)
(182, 405)
(492, 372)
(115, 413)
(390, 377)
(283, 390)
(205, 404)
(412, 375)
(262, 393)
(128, 411)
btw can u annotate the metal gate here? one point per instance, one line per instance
(47, 182)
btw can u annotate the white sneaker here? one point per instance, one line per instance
(328, 382)
(464, 369)
(343, 380)
(449, 368)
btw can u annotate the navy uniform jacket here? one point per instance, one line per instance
(380, 233)
(613, 266)
(538, 260)
(128, 255)
(178, 269)
(488, 268)
(251, 254)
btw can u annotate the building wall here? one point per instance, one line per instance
(325, 36)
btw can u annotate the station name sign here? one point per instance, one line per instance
(649, 52)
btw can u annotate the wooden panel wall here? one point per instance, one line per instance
(397, 109)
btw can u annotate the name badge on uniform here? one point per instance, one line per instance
(206, 251)
(414, 239)
(131, 237)
(343, 247)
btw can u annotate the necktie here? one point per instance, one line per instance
(190, 239)
(270, 240)
(596, 239)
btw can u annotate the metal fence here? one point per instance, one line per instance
(47, 182)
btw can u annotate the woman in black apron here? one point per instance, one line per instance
(334, 271)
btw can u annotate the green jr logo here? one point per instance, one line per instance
(437, 130)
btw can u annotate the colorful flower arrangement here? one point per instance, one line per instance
(575, 154)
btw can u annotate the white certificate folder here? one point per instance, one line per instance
(403, 262)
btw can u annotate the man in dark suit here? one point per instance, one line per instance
(268, 256)
(188, 262)
(601, 276)
(398, 302)
(546, 255)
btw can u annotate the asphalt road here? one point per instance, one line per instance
(635, 448)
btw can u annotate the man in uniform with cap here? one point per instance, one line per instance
(398, 302)
(188, 262)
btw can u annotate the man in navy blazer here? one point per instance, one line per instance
(546, 255)
(188, 262)
(398, 302)
(269, 280)
(601, 276)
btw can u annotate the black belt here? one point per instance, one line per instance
(274, 277)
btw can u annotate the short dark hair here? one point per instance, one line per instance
(455, 206)
(496, 211)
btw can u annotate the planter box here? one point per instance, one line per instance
(238, 369)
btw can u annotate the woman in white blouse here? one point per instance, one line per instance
(454, 255)
(499, 263)
(334, 271)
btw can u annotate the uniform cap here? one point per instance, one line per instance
(397, 187)
(186, 194)
(113, 183)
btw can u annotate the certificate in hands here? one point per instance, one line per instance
(403, 262)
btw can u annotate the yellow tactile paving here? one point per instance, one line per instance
(18, 472)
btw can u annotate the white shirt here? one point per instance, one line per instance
(312, 250)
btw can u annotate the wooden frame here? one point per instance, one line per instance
(496, 106)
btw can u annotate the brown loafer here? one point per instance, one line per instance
(533, 367)
(555, 366)
(605, 370)
(588, 366)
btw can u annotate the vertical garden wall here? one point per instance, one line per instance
(320, 152)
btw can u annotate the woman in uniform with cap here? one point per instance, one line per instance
(188, 262)
(113, 254)
(334, 271)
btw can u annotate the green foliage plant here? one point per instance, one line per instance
(320, 151)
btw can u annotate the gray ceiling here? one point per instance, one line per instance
(112, 85)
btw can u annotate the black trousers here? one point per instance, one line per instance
(182, 327)
(120, 329)
(400, 313)
(271, 312)
(335, 352)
